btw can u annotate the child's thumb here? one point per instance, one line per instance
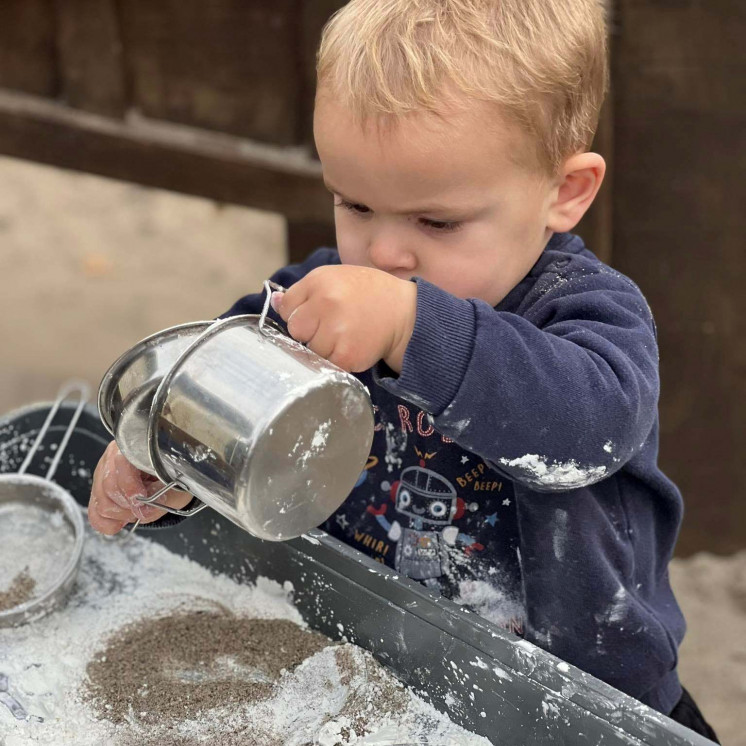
(276, 301)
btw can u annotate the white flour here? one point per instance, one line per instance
(120, 583)
(541, 472)
(27, 544)
(490, 602)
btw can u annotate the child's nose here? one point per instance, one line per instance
(392, 254)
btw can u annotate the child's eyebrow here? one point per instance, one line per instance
(424, 210)
(334, 190)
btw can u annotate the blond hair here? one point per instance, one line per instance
(544, 62)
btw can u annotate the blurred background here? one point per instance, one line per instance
(156, 162)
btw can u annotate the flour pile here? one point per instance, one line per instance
(154, 649)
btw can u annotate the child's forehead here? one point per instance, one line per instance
(457, 117)
(455, 143)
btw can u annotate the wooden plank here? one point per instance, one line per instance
(226, 65)
(27, 47)
(680, 142)
(596, 227)
(182, 159)
(90, 52)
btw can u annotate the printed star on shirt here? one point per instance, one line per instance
(491, 519)
(342, 520)
(506, 501)
(464, 459)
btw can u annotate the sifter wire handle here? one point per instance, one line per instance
(83, 390)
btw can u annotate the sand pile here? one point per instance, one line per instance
(168, 668)
(712, 663)
(21, 589)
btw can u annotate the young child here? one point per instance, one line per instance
(514, 375)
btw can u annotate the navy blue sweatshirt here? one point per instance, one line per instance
(514, 466)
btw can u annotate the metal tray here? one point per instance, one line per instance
(485, 679)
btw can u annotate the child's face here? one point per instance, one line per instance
(435, 197)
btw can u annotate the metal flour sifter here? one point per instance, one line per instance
(245, 418)
(41, 527)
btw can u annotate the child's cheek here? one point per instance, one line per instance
(351, 244)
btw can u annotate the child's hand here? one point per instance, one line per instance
(352, 316)
(116, 483)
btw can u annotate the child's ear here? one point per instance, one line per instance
(577, 186)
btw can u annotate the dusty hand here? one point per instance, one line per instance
(352, 316)
(116, 485)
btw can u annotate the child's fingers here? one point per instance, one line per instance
(276, 301)
(130, 486)
(109, 499)
(303, 323)
(153, 485)
(323, 340)
(116, 486)
(150, 513)
(109, 482)
(173, 498)
(103, 507)
(103, 525)
(123, 484)
(129, 478)
(100, 502)
(294, 297)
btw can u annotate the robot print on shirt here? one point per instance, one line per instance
(427, 504)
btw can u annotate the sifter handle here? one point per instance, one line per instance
(83, 391)
(152, 501)
(269, 286)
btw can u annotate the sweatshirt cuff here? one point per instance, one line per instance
(438, 353)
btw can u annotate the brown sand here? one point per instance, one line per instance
(20, 591)
(253, 738)
(369, 685)
(157, 672)
(174, 667)
(712, 662)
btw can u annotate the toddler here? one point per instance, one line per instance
(514, 375)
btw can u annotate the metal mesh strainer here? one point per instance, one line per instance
(41, 527)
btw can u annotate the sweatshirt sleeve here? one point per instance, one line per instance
(555, 397)
(253, 303)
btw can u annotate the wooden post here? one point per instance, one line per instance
(27, 46)
(680, 148)
(304, 237)
(90, 56)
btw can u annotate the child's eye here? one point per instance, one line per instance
(439, 226)
(352, 207)
(442, 226)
